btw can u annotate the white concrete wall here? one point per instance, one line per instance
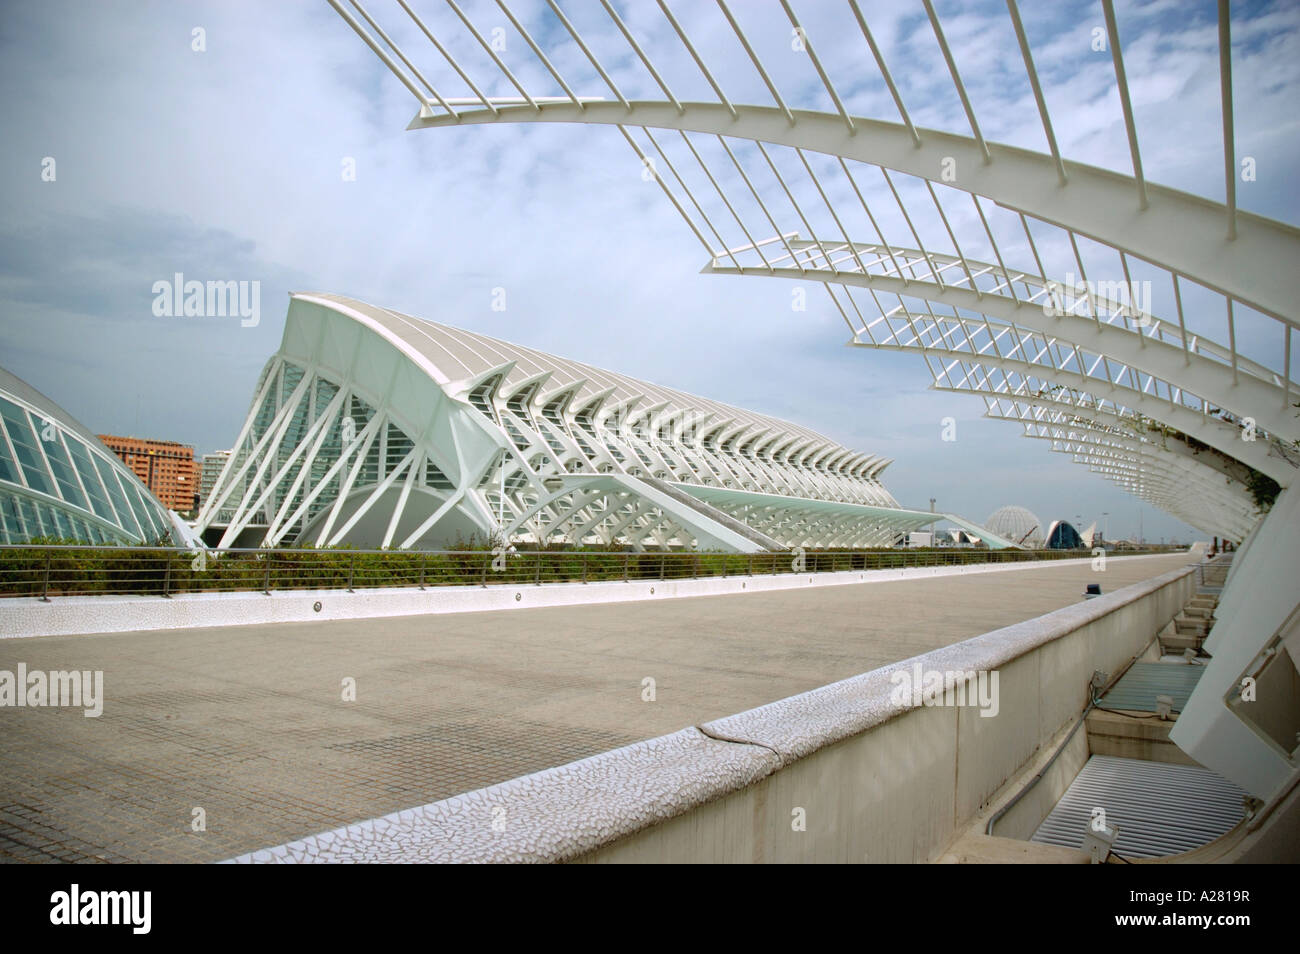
(901, 790)
(72, 615)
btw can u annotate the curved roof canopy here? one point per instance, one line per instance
(464, 360)
(1144, 331)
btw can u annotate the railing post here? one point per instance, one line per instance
(483, 577)
(424, 559)
(663, 558)
(352, 568)
(538, 576)
(266, 579)
(627, 558)
(584, 568)
(167, 578)
(45, 587)
(751, 564)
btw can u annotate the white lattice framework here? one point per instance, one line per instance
(771, 189)
(373, 428)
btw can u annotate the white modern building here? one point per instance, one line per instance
(376, 429)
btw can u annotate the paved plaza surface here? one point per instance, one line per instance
(249, 723)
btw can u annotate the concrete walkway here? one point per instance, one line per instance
(249, 723)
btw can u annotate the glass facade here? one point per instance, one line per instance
(384, 452)
(55, 483)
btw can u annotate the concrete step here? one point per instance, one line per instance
(1176, 644)
(976, 849)
(1133, 738)
(1187, 626)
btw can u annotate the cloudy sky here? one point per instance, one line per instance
(227, 163)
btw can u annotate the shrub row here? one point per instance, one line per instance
(59, 569)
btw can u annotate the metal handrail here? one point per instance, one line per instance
(45, 570)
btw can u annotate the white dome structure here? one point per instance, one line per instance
(1016, 524)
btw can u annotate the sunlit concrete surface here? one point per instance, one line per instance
(249, 724)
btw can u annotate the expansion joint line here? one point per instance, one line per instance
(781, 759)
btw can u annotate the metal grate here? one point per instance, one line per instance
(1138, 688)
(1160, 809)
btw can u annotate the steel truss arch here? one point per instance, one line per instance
(1096, 203)
(1155, 353)
(1220, 505)
(1184, 419)
(1244, 257)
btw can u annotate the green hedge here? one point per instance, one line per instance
(116, 569)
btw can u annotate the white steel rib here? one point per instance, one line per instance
(750, 178)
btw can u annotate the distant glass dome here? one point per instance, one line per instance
(1017, 525)
(58, 480)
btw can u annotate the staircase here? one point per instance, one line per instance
(1196, 619)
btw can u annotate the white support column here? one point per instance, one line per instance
(212, 505)
(265, 449)
(368, 435)
(380, 489)
(416, 456)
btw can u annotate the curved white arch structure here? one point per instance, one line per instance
(750, 178)
(1153, 365)
(1177, 231)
